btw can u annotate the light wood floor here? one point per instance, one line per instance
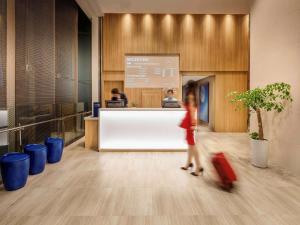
(93, 188)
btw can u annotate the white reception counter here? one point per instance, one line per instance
(141, 129)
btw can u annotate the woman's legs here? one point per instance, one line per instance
(192, 152)
(196, 156)
(189, 157)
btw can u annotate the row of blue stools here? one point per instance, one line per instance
(15, 167)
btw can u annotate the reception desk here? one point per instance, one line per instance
(138, 129)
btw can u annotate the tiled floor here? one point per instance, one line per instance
(89, 187)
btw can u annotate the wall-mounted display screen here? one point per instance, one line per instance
(204, 103)
(151, 71)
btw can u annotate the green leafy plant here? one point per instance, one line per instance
(270, 98)
(254, 135)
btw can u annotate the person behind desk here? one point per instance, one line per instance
(116, 95)
(170, 96)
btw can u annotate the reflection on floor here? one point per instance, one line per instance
(94, 188)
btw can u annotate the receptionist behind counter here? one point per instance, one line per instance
(170, 96)
(117, 95)
(170, 101)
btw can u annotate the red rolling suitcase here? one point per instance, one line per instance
(224, 170)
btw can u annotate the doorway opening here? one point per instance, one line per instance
(205, 99)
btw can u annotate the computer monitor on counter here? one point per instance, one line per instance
(115, 104)
(170, 104)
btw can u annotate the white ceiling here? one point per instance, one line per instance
(170, 6)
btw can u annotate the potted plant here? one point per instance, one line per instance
(270, 98)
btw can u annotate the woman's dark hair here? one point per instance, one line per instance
(170, 91)
(115, 91)
(190, 90)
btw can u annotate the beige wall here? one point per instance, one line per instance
(275, 57)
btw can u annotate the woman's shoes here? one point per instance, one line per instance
(201, 170)
(186, 168)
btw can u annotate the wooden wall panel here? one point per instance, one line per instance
(113, 76)
(204, 42)
(151, 98)
(227, 118)
(134, 96)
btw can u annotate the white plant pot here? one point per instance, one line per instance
(259, 153)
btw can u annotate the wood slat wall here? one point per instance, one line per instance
(204, 42)
(227, 118)
(207, 44)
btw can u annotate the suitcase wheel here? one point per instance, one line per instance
(227, 187)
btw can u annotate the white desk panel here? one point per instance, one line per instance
(141, 129)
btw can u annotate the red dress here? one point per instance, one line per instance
(187, 125)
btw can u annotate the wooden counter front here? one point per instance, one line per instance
(91, 132)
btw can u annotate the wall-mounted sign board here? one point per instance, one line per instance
(151, 71)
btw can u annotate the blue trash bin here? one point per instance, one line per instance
(14, 170)
(38, 157)
(96, 107)
(55, 148)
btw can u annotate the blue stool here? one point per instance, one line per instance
(14, 170)
(38, 157)
(55, 148)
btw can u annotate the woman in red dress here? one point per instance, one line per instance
(189, 123)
